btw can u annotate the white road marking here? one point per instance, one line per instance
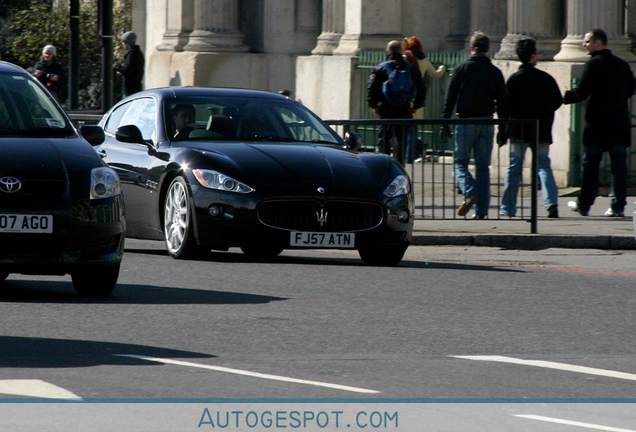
(251, 374)
(35, 388)
(553, 365)
(573, 423)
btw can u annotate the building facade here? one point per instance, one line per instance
(312, 47)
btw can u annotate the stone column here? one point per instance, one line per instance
(538, 19)
(368, 24)
(216, 27)
(584, 15)
(488, 16)
(333, 26)
(179, 25)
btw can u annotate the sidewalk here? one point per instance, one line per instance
(570, 230)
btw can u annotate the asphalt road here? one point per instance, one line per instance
(448, 322)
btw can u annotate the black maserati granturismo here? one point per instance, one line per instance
(205, 169)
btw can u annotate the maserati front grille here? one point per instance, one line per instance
(312, 215)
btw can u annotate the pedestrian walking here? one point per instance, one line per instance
(478, 89)
(534, 94)
(395, 90)
(609, 83)
(416, 57)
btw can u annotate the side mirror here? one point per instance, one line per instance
(352, 141)
(130, 134)
(93, 134)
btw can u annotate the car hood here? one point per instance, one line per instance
(63, 159)
(284, 169)
(28, 159)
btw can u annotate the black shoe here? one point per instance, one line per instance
(553, 212)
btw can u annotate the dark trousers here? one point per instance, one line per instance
(591, 163)
(386, 133)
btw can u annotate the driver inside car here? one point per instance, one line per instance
(183, 117)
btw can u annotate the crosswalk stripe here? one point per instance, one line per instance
(552, 365)
(573, 423)
(35, 388)
(252, 374)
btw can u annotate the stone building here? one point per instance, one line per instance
(312, 47)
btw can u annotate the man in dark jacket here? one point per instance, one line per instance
(386, 109)
(609, 83)
(534, 94)
(478, 89)
(132, 72)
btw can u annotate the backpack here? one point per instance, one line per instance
(398, 89)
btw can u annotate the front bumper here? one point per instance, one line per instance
(240, 224)
(92, 233)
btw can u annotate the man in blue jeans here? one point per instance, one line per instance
(478, 88)
(609, 83)
(534, 94)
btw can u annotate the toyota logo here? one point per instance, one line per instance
(10, 184)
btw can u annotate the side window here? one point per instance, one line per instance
(143, 114)
(114, 120)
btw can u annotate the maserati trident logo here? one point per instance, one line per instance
(322, 217)
(10, 184)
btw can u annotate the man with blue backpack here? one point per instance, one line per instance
(395, 90)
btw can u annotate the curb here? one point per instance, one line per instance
(527, 241)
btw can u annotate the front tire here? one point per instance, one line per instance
(96, 281)
(382, 256)
(177, 227)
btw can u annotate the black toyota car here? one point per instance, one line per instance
(61, 208)
(206, 169)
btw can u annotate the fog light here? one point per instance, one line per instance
(403, 215)
(215, 211)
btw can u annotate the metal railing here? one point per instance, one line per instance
(436, 191)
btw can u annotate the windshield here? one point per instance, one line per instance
(244, 119)
(27, 110)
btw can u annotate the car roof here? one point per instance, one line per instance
(179, 92)
(10, 67)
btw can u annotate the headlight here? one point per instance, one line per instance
(104, 183)
(215, 180)
(399, 186)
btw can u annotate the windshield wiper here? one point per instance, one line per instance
(265, 138)
(317, 141)
(38, 131)
(277, 138)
